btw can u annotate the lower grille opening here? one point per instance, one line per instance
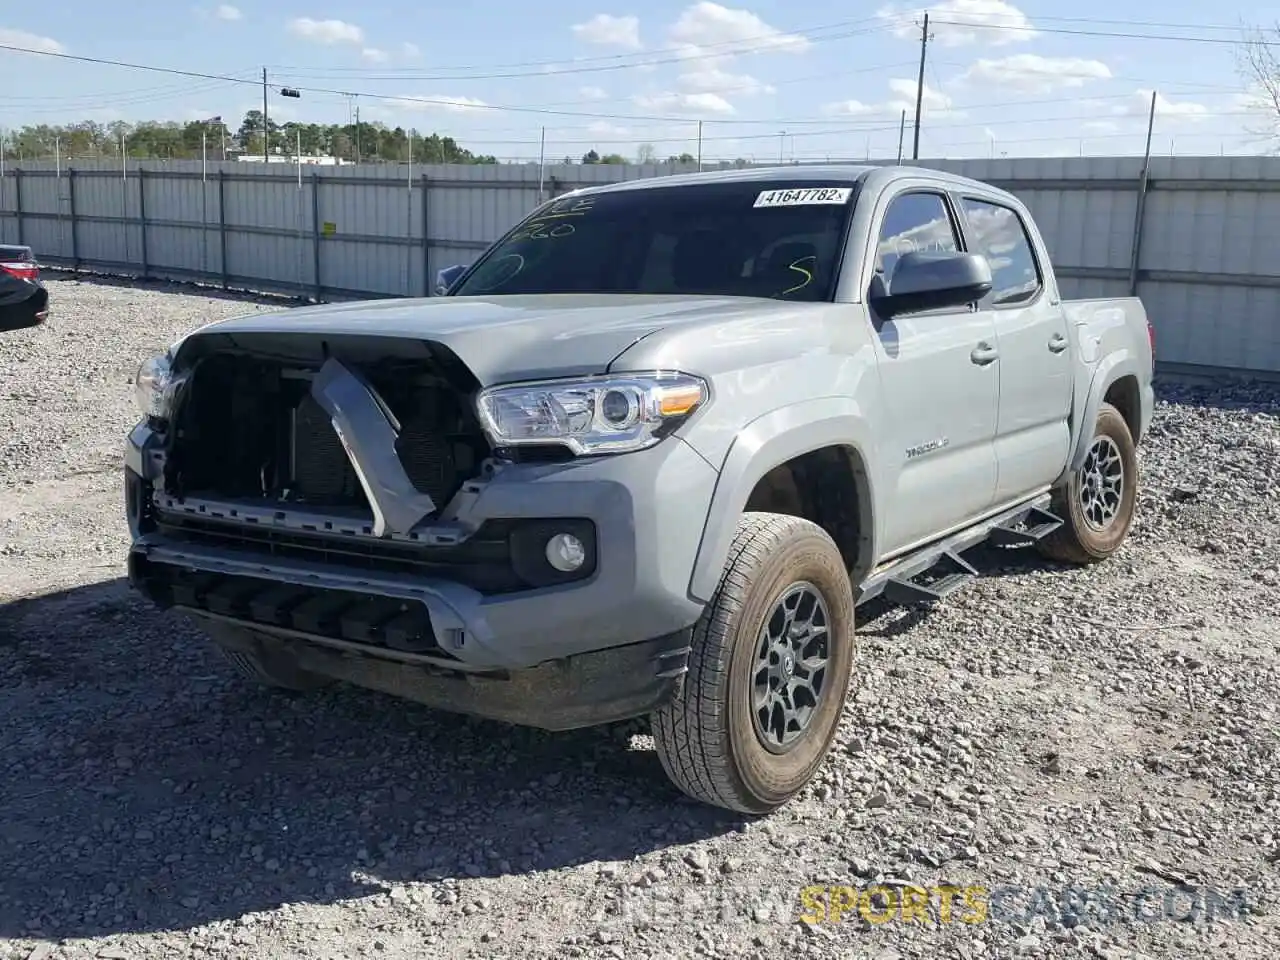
(248, 428)
(400, 625)
(502, 557)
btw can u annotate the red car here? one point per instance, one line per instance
(24, 301)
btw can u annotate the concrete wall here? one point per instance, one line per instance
(1208, 267)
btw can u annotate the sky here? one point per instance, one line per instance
(763, 80)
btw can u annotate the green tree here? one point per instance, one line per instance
(170, 140)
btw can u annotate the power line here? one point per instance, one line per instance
(164, 92)
(883, 126)
(766, 42)
(1119, 35)
(543, 111)
(686, 58)
(1142, 23)
(754, 87)
(426, 101)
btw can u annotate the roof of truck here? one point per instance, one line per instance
(841, 172)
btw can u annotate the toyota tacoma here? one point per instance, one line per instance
(646, 456)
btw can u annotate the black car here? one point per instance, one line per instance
(24, 301)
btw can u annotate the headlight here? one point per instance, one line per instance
(153, 387)
(592, 415)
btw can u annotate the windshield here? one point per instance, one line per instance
(780, 240)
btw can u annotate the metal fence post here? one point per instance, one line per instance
(222, 226)
(427, 285)
(1135, 254)
(17, 199)
(71, 201)
(315, 233)
(142, 215)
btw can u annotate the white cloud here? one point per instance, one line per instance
(606, 30)
(706, 24)
(853, 108)
(327, 32)
(437, 101)
(602, 128)
(592, 93)
(30, 41)
(686, 103)
(1100, 126)
(1032, 73)
(959, 23)
(227, 12)
(1140, 106)
(410, 51)
(933, 103)
(374, 55)
(704, 76)
(709, 77)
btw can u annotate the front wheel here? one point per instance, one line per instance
(769, 670)
(1097, 501)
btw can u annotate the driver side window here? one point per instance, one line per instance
(914, 222)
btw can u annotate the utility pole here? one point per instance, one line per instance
(357, 133)
(924, 52)
(266, 123)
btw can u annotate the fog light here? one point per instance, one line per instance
(565, 552)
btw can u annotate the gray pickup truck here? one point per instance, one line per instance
(645, 457)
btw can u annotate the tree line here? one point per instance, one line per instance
(172, 140)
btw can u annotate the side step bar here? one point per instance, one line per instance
(938, 570)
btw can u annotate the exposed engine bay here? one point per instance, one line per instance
(248, 428)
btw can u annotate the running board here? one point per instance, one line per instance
(938, 570)
(1032, 528)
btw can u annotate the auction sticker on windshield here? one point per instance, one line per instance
(803, 197)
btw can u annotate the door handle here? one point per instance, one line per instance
(1058, 343)
(984, 354)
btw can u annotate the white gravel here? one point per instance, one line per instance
(1047, 730)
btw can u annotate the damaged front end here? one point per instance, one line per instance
(325, 487)
(361, 503)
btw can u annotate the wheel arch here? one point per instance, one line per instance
(820, 442)
(1115, 378)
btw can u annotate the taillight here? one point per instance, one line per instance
(1151, 338)
(22, 269)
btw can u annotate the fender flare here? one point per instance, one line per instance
(1111, 368)
(765, 443)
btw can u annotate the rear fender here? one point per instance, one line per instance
(765, 443)
(1120, 363)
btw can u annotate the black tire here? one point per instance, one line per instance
(262, 664)
(1080, 540)
(707, 738)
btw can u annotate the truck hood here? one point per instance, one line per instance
(504, 338)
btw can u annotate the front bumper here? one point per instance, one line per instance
(585, 690)
(647, 510)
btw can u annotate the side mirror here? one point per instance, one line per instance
(932, 281)
(447, 277)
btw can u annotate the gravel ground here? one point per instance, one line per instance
(1095, 748)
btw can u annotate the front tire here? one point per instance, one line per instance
(1097, 502)
(769, 670)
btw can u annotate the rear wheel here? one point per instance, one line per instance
(1097, 501)
(769, 670)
